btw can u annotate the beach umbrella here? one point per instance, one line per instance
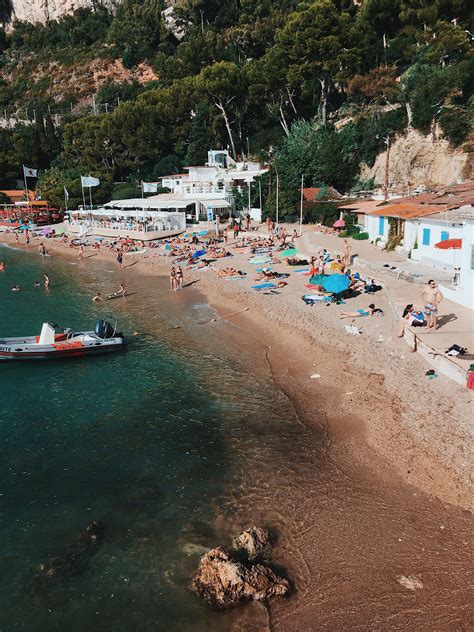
(317, 279)
(449, 244)
(340, 223)
(335, 283)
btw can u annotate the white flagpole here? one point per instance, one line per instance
(26, 185)
(65, 198)
(83, 195)
(90, 193)
(142, 189)
(301, 205)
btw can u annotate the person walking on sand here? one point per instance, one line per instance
(80, 256)
(46, 281)
(179, 278)
(27, 239)
(17, 237)
(173, 278)
(120, 259)
(42, 249)
(431, 297)
(346, 258)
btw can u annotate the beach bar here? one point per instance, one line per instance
(144, 224)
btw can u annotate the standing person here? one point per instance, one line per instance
(236, 230)
(172, 278)
(225, 235)
(122, 291)
(17, 237)
(42, 249)
(431, 297)
(80, 256)
(179, 278)
(294, 236)
(46, 281)
(27, 239)
(346, 254)
(120, 259)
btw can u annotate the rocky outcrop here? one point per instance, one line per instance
(421, 159)
(44, 10)
(254, 541)
(223, 580)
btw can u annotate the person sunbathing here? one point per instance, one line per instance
(227, 272)
(370, 311)
(410, 318)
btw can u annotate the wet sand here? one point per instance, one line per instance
(364, 548)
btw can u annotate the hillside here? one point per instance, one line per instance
(131, 91)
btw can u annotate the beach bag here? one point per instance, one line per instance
(455, 350)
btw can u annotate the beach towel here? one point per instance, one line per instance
(264, 286)
(289, 252)
(199, 253)
(259, 260)
(304, 271)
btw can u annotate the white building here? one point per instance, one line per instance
(211, 188)
(203, 191)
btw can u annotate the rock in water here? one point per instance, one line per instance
(224, 582)
(253, 541)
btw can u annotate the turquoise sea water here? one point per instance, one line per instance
(138, 440)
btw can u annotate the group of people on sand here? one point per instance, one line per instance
(176, 278)
(431, 297)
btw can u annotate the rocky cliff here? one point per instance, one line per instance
(421, 159)
(43, 10)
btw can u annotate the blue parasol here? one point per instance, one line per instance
(335, 283)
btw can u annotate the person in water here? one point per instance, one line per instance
(46, 281)
(37, 283)
(120, 258)
(15, 288)
(42, 249)
(3, 266)
(97, 297)
(122, 291)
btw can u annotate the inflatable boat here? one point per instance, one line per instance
(68, 343)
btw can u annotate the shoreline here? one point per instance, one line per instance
(348, 523)
(427, 453)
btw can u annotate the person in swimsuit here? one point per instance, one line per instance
(432, 297)
(371, 311)
(122, 291)
(179, 278)
(37, 283)
(173, 278)
(46, 281)
(120, 259)
(15, 288)
(97, 297)
(80, 256)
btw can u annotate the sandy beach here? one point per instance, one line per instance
(397, 450)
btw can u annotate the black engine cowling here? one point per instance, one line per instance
(104, 329)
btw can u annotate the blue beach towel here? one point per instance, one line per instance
(264, 286)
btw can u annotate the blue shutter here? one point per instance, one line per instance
(444, 235)
(426, 236)
(381, 225)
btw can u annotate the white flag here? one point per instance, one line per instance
(66, 194)
(30, 173)
(150, 187)
(88, 181)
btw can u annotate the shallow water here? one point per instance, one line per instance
(139, 440)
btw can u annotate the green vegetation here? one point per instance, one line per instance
(312, 86)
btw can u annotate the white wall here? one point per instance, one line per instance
(427, 253)
(373, 227)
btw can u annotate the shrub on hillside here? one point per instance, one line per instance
(360, 236)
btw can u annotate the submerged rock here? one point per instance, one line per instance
(253, 541)
(77, 556)
(224, 581)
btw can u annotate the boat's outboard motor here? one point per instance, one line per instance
(104, 329)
